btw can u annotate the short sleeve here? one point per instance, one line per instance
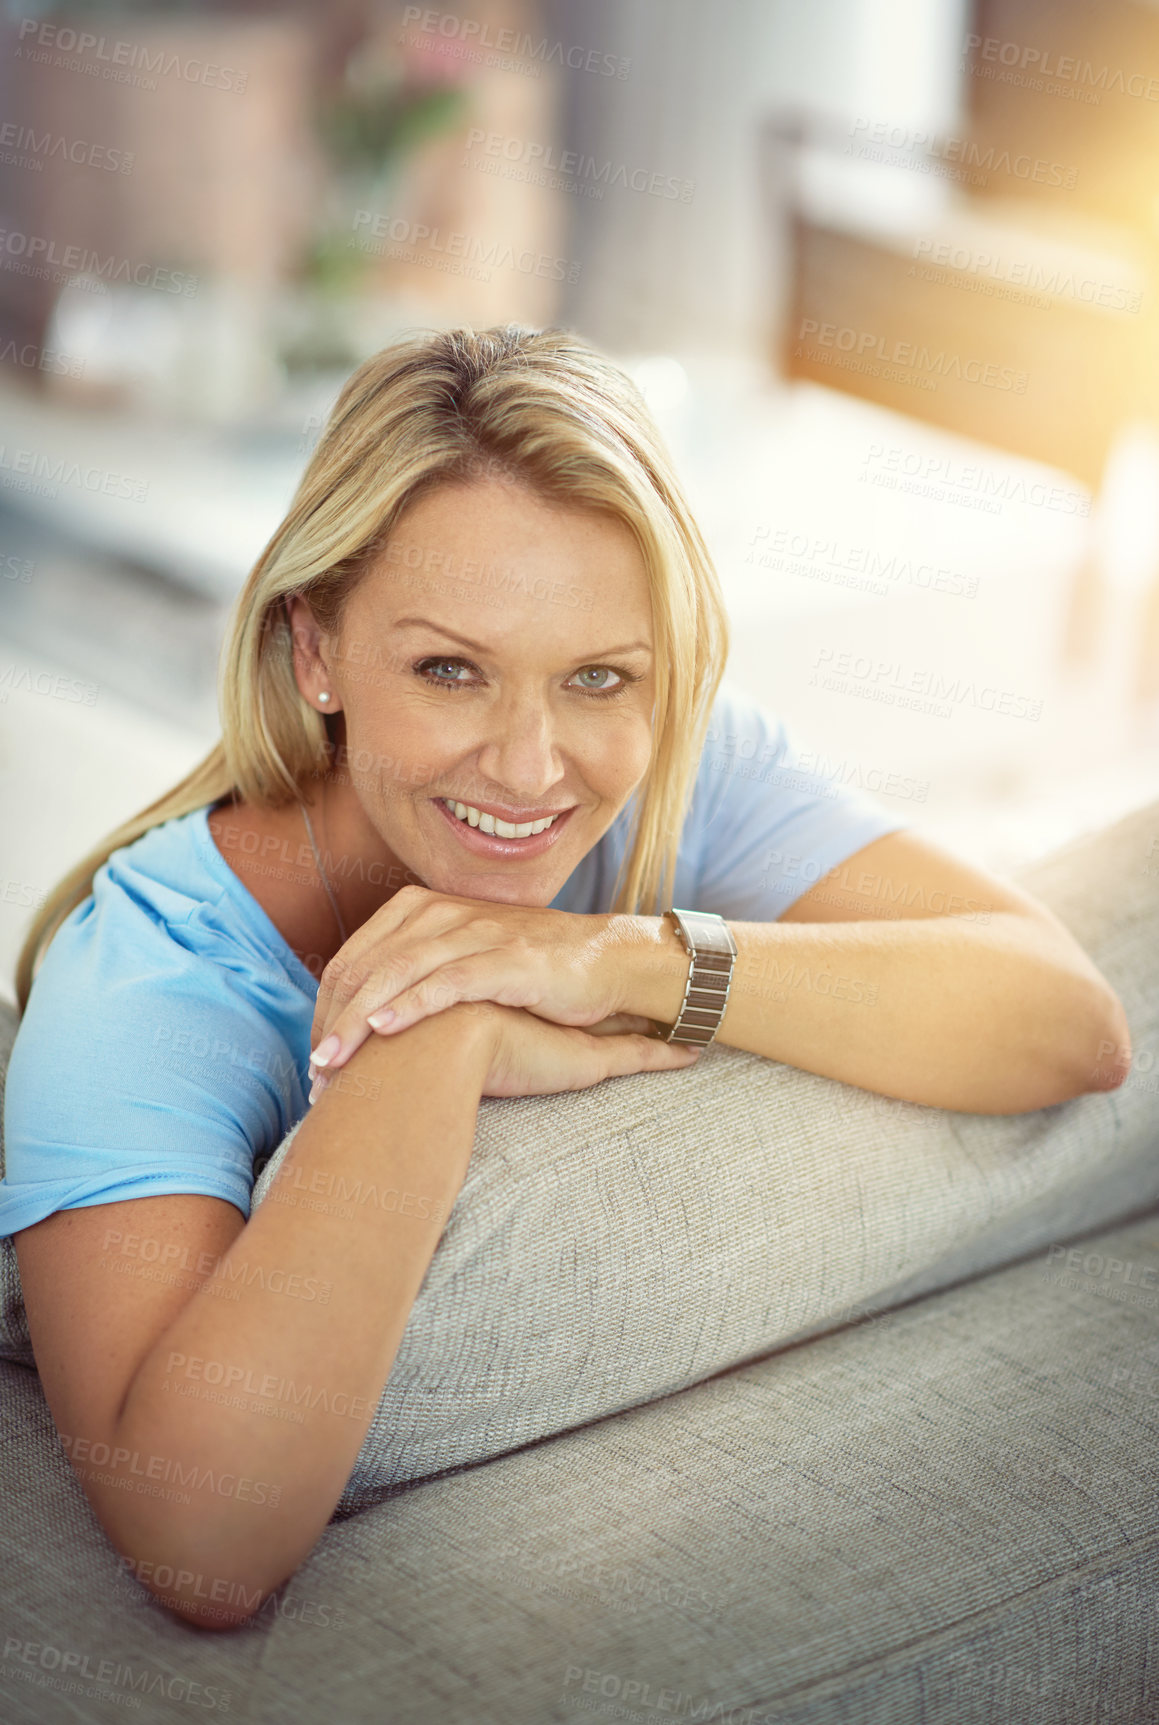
(765, 831)
(152, 1058)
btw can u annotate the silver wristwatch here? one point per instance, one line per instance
(709, 943)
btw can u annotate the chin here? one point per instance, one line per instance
(498, 891)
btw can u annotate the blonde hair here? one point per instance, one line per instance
(440, 407)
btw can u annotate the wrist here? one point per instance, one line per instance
(651, 966)
(470, 1027)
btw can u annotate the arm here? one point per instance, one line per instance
(986, 1004)
(214, 1504)
(260, 1487)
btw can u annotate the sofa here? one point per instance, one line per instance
(873, 1440)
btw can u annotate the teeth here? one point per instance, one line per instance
(492, 824)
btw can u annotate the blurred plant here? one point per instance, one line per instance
(385, 109)
(366, 130)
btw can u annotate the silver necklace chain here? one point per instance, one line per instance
(322, 875)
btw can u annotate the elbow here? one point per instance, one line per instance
(202, 1588)
(205, 1617)
(223, 1603)
(1104, 1057)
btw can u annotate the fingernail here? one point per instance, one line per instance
(380, 1019)
(326, 1050)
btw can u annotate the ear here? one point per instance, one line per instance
(311, 654)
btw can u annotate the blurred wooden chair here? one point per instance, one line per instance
(1020, 309)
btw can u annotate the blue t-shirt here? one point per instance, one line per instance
(166, 1039)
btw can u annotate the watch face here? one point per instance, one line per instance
(704, 931)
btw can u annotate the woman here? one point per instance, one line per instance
(473, 746)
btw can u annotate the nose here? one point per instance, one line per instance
(520, 757)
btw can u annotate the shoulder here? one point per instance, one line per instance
(157, 1001)
(737, 721)
(170, 889)
(744, 741)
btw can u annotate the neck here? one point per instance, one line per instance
(361, 869)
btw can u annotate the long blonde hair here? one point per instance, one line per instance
(438, 407)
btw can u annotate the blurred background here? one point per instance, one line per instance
(886, 270)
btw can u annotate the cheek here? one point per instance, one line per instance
(618, 756)
(392, 747)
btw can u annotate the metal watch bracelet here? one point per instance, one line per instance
(708, 941)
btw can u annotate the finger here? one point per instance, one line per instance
(492, 975)
(375, 987)
(626, 1054)
(500, 974)
(352, 963)
(620, 1023)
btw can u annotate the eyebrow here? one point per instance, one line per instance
(478, 647)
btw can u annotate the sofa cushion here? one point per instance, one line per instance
(605, 1250)
(946, 1515)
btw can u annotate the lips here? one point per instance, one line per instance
(473, 836)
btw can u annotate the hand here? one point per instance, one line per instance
(532, 1057)
(423, 951)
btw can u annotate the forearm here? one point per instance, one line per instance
(360, 1201)
(990, 1018)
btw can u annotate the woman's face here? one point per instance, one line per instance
(495, 662)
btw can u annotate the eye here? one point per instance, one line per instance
(587, 679)
(432, 670)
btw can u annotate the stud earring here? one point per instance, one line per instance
(325, 695)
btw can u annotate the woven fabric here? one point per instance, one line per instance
(606, 1250)
(944, 1516)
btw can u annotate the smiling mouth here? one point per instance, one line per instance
(494, 827)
